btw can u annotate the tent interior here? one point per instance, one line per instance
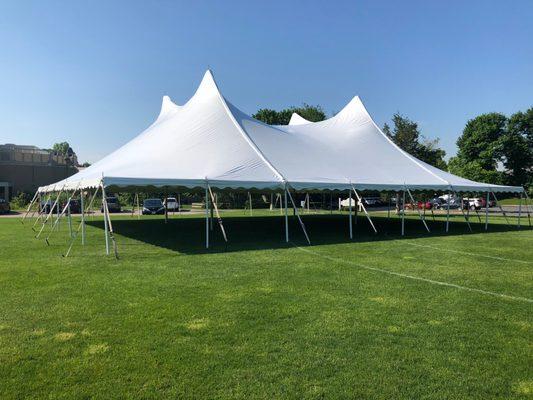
(209, 145)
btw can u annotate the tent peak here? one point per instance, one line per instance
(297, 119)
(208, 85)
(167, 107)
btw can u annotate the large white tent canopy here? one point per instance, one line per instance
(208, 141)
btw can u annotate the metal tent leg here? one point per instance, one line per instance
(350, 213)
(206, 216)
(448, 212)
(106, 227)
(286, 218)
(298, 216)
(419, 214)
(82, 201)
(487, 212)
(403, 213)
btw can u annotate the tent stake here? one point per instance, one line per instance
(359, 198)
(419, 214)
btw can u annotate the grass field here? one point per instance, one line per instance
(438, 316)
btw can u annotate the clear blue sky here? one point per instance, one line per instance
(93, 73)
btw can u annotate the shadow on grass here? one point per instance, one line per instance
(187, 235)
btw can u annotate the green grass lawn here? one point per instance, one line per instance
(428, 316)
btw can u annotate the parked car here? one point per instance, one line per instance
(47, 205)
(171, 204)
(113, 205)
(4, 207)
(474, 203)
(153, 206)
(75, 206)
(372, 201)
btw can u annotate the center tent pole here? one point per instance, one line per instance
(206, 216)
(448, 212)
(419, 214)
(403, 212)
(350, 213)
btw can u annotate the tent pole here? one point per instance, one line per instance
(487, 212)
(419, 213)
(463, 211)
(527, 207)
(41, 212)
(213, 200)
(403, 213)
(80, 225)
(211, 213)
(133, 205)
(271, 201)
(448, 212)
(519, 210)
(111, 232)
(166, 206)
(286, 217)
(298, 216)
(250, 202)
(50, 213)
(501, 209)
(364, 209)
(106, 228)
(388, 209)
(206, 216)
(69, 221)
(29, 207)
(82, 201)
(350, 213)
(65, 208)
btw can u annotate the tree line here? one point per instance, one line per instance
(492, 147)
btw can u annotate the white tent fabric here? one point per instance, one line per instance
(210, 141)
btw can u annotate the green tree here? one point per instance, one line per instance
(479, 141)
(273, 117)
(63, 149)
(408, 137)
(516, 149)
(491, 141)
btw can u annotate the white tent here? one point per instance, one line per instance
(210, 141)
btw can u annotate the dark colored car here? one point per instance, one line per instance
(113, 205)
(75, 206)
(372, 201)
(4, 207)
(153, 206)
